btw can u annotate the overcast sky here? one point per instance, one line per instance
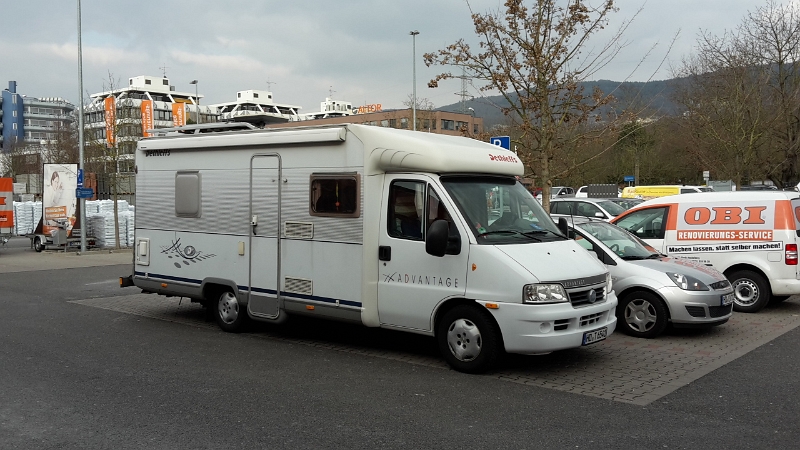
(360, 49)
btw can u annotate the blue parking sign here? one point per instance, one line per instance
(501, 141)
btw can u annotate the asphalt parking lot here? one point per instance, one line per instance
(621, 368)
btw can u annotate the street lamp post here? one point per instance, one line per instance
(414, 91)
(196, 103)
(82, 201)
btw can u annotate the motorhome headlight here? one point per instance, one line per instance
(686, 282)
(544, 293)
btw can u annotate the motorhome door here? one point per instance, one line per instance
(411, 282)
(265, 243)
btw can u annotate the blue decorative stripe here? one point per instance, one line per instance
(259, 290)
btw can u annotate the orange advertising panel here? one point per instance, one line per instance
(6, 203)
(178, 114)
(147, 117)
(111, 120)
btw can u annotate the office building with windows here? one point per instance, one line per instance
(32, 121)
(116, 119)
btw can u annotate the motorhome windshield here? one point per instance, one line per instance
(500, 210)
(619, 241)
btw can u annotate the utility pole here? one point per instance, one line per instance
(414, 92)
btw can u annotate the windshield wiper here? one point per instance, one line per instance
(633, 258)
(514, 232)
(486, 233)
(655, 256)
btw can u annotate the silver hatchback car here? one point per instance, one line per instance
(653, 289)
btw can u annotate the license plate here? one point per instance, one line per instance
(727, 299)
(591, 337)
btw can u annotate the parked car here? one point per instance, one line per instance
(626, 203)
(758, 187)
(654, 290)
(558, 192)
(586, 207)
(583, 191)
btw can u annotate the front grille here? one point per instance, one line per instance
(590, 319)
(560, 325)
(696, 311)
(581, 298)
(719, 311)
(724, 284)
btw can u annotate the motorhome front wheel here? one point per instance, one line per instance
(468, 340)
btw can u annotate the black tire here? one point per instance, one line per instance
(751, 291)
(37, 244)
(231, 316)
(469, 339)
(642, 314)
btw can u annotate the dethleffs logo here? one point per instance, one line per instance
(504, 158)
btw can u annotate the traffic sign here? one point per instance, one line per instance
(629, 178)
(80, 178)
(501, 141)
(82, 192)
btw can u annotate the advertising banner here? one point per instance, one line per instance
(111, 120)
(147, 117)
(178, 114)
(58, 197)
(6, 205)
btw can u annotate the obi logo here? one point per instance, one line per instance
(726, 215)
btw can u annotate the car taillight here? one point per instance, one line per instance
(791, 254)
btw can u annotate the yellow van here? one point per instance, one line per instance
(648, 192)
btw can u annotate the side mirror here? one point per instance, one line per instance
(563, 227)
(436, 239)
(599, 215)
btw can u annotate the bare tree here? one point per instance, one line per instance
(743, 97)
(108, 145)
(537, 57)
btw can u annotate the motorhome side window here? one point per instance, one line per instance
(406, 199)
(334, 195)
(648, 223)
(188, 194)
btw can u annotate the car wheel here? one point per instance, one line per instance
(469, 339)
(642, 314)
(37, 244)
(750, 290)
(231, 315)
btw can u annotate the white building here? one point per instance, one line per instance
(146, 103)
(256, 107)
(331, 108)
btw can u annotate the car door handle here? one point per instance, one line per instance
(385, 253)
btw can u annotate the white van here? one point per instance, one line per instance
(383, 227)
(751, 237)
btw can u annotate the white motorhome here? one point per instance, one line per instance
(383, 227)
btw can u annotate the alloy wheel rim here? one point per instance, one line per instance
(640, 315)
(228, 308)
(464, 340)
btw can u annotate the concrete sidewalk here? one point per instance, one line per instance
(18, 258)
